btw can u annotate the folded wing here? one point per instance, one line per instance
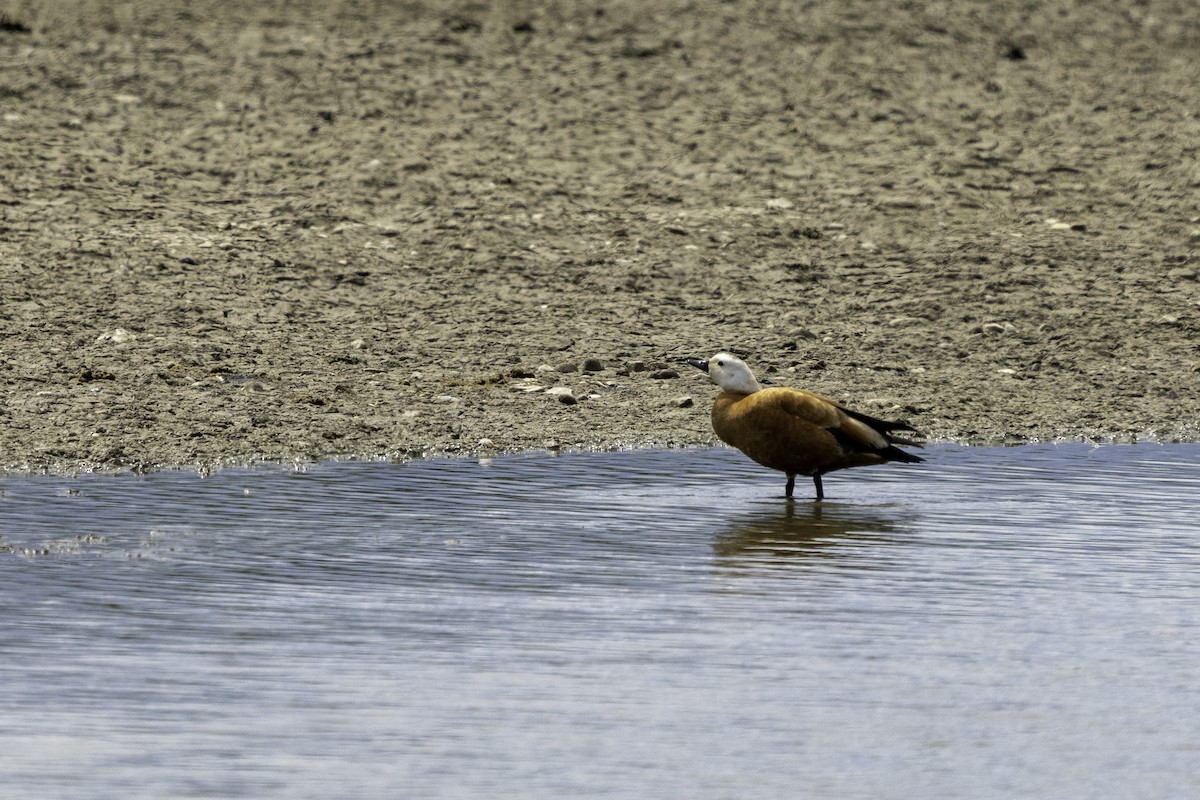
(853, 430)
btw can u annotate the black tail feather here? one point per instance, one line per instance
(893, 453)
(882, 425)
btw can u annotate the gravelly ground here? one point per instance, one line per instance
(231, 232)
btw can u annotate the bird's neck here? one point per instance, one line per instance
(748, 386)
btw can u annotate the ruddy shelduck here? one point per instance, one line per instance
(794, 431)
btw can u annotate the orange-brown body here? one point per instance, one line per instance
(791, 430)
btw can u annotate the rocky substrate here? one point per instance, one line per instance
(459, 228)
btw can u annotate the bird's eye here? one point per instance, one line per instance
(720, 363)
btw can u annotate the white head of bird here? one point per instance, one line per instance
(729, 372)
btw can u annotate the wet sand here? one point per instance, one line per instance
(269, 231)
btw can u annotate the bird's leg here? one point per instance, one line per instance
(791, 484)
(817, 483)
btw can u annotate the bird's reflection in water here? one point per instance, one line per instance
(803, 532)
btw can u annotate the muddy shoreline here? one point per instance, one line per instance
(457, 228)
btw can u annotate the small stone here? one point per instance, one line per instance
(637, 366)
(485, 442)
(901, 321)
(995, 328)
(780, 204)
(684, 402)
(664, 374)
(568, 367)
(357, 344)
(89, 375)
(593, 365)
(564, 395)
(116, 336)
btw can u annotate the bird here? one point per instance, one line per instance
(795, 431)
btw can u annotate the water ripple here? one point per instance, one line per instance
(649, 623)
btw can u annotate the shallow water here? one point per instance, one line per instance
(1017, 622)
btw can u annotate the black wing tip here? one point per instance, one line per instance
(892, 453)
(884, 426)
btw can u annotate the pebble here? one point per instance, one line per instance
(593, 365)
(901, 321)
(116, 336)
(780, 204)
(89, 375)
(664, 374)
(637, 366)
(567, 367)
(684, 402)
(995, 328)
